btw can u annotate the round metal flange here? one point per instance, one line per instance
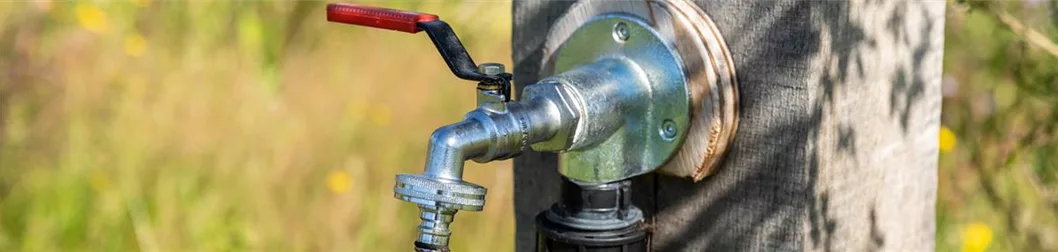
(648, 99)
(706, 67)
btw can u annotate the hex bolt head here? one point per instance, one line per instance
(620, 32)
(668, 130)
(491, 69)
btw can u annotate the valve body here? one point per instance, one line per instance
(572, 111)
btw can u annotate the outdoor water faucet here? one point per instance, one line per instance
(619, 106)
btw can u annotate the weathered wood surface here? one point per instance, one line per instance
(837, 141)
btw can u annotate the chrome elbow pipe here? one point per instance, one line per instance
(451, 145)
(491, 132)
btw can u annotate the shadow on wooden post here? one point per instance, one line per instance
(836, 148)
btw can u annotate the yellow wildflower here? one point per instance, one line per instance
(91, 17)
(947, 139)
(976, 237)
(339, 181)
(135, 45)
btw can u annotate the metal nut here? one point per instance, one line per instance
(668, 130)
(491, 69)
(567, 109)
(620, 31)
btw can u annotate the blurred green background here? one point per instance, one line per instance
(228, 125)
(250, 125)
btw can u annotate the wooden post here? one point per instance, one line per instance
(837, 141)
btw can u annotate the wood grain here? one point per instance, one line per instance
(836, 147)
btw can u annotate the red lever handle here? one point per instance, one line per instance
(390, 19)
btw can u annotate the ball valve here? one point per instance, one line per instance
(621, 102)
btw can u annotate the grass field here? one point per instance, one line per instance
(191, 126)
(258, 126)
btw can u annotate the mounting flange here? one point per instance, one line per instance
(705, 68)
(639, 132)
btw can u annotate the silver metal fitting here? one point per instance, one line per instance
(491, 97)
(619, 108)
(492, 100)
(631, 95)
(438, 200)
(620, 32)
(491, 69)
(566, 112)
(486, 134)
